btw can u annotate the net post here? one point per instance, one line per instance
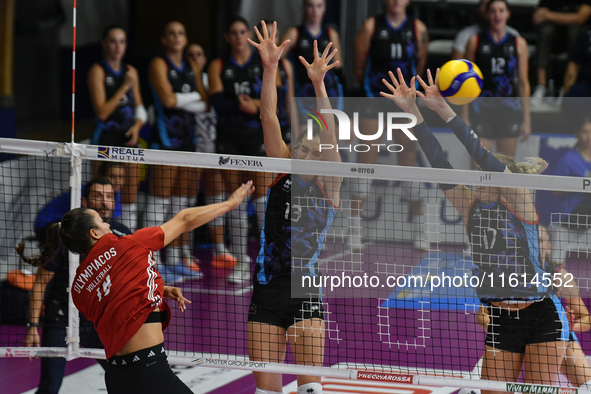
(73, 67)
(73, 330)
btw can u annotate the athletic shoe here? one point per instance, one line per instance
(224, 261)
(170, 276)
(538, 95)
(241, 272)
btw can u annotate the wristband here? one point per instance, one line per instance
(30, 324)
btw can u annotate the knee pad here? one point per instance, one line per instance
(310, 388)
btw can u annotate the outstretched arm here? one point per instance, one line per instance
(404, 96)
(463, 132)
(270, 56)
(316, 72)
(519, 199)
(191, 218)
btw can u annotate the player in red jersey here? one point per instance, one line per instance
(118, 288)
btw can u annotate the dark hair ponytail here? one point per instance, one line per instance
(74, 230)
(47, 252)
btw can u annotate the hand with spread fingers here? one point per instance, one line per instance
(321, 64)
(402, 95)
(432, 96)
(269, 51)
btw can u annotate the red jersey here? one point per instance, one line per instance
(117, 286)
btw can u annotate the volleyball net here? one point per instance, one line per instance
(397, 299)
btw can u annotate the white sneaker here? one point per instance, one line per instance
(538, 96)
(241, 272)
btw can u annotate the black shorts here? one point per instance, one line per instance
(495, 122)
(543, 321)
(141, 372)
(272, 304)
(246, 142)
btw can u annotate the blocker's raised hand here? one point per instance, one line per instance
(432, 97)
(402, 95)
(269, 51)
(321, 64)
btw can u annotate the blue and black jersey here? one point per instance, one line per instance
(504, 243)
(304, 46)
(499, 63)
(175, 128)
(391, 48)
(112, 130)
(237, 80)
(297, 217)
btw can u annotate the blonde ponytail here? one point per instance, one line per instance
(531, 165)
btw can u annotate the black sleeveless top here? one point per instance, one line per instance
(391, 48)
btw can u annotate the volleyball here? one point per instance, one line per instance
(460, 81)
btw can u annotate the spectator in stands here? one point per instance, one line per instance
(302, 39)
(53, 211)
(461, 40)
(385, 42)
(575, 208)
(115, 93)
(179, 94)
(577, 80)
(499, 115)
(552, 16)
(50, 291)
(235, 83)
